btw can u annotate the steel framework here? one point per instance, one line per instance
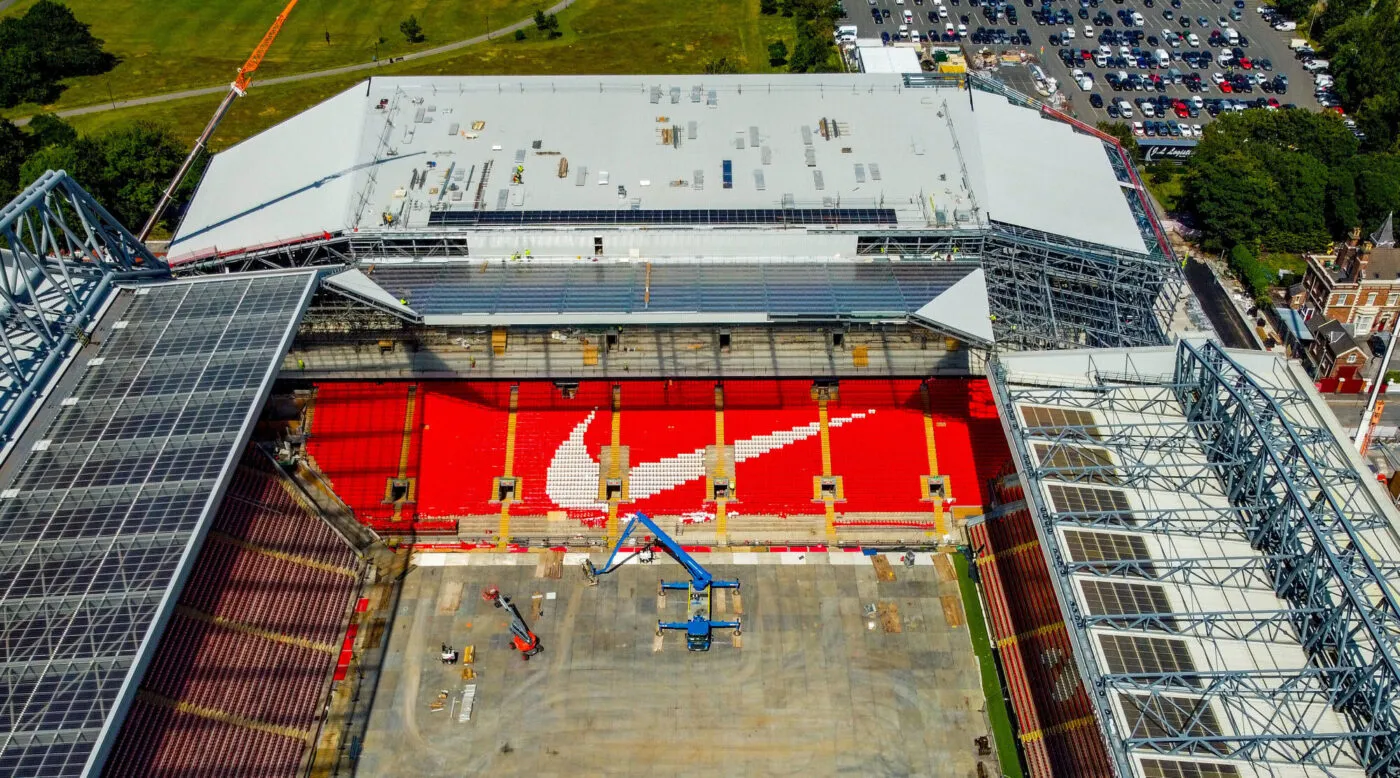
(1266, 470)
(60, 253)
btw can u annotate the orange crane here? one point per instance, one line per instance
(237, 89)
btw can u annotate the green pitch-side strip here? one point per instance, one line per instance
(997, 713)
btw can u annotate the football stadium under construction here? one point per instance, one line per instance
(840, 424)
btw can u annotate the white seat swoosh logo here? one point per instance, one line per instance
(572, 478)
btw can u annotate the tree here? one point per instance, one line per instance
(720, 66)
(42, 47)
(45, 129)
(519, 35)
(768, 7)
(128, 167)
(777, 54)
(1233, 196)
(13, 147)
(541, 23)
(68, 45)
(553, 24)
(55, 157)
(412, 30)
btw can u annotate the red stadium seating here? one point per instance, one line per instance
(1052, 709)
(234, 667)
(877, 435)
(356, 439)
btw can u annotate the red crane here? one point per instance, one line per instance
(237, 89)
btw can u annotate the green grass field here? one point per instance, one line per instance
(997, 713)
(600, 36)
(179, 44)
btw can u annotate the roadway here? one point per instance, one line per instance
(1218, 307)
(337, 71)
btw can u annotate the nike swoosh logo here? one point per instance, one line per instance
(571, 480)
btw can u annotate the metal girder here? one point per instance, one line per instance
(1241, 572)
(1265, 625)
(1308, 523)
(60, 253)
(1278, 480)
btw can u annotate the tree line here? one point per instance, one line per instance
(1286, 181)
(41, 48)
(126, 168)
(1361, 38)
(814, 20)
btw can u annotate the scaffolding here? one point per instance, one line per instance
(1207, 453)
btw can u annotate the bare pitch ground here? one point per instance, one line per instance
(817, 688)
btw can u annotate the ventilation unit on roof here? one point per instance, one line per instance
(655, 95)
(699, 180)
(758, 180)
(766, 155)
(806, 135)
(728, 174)
(753, 135)
(818, 181)
(712, 99)
(860, 173)
(690, 130)
(675, 95)
(874, 171)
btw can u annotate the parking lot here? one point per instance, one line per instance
(1259, 42)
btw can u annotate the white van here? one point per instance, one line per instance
(846, 32)
(1163, 59)
(915, 36)
(1233, 35)
(1316, 65)
(1137, 19)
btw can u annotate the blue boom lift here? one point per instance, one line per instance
(699, 623)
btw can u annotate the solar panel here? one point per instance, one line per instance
(1173, 718)
(1120, 598)
(1163, 768)
(1080, 499)
(1108, 547)
(816, 289)
(1134, 654)
(101, 513)
(1077, 463)
(1056, 421)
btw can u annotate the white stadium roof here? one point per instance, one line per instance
(922, 158)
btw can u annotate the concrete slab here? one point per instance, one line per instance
(815, 690)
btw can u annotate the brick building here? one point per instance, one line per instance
(1360, 286)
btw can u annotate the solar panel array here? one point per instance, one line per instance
(817, 289)
(1164, 717)
(1135, 655)
(1056, 421)
(675, 217)
(1109, 547)
(104, 512)
(1115, 598)
(1077, 463)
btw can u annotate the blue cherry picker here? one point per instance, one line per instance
(699, 623)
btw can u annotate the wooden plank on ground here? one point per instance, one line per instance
(952, 610)
(944, 567)
(738, 603)
(551, 565)
(883, 571)
(449, 597)
(889, 617)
